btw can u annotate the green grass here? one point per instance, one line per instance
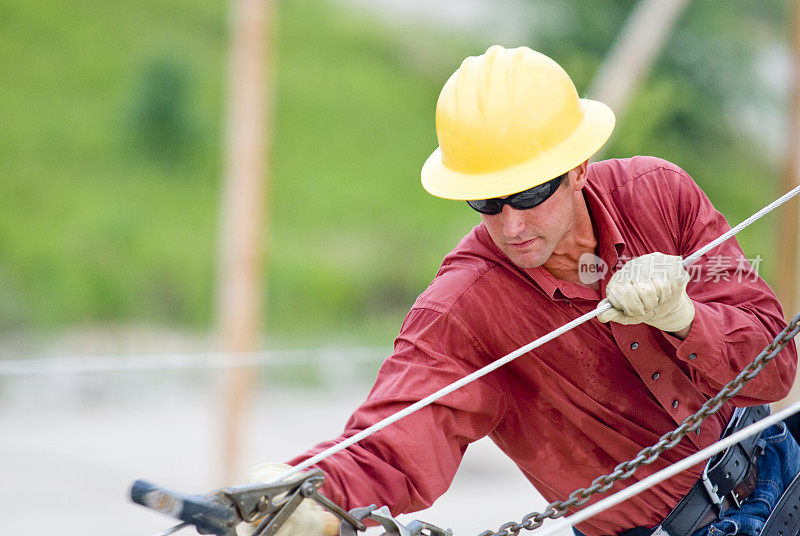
(100, 224)
(97, 226)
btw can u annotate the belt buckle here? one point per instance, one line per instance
(711, 489)
(735, 498)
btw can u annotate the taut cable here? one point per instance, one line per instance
(428, 400)
(667, 472)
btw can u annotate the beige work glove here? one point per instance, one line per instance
(309, 519)
(650, 289)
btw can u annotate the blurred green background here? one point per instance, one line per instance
(111, 116)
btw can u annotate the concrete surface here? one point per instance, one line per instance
(70, 446)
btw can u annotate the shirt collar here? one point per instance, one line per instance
(610, 247)
(610, 244)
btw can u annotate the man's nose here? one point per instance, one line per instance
(513, 221)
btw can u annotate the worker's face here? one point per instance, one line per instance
(528, 237)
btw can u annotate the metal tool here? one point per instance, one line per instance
(390, 524)
(207, 515)
(268, 504)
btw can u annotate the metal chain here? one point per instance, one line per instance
(648, 455)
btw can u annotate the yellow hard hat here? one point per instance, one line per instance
(509, 120)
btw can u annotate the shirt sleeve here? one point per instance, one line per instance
(410, 463)
(736, 312)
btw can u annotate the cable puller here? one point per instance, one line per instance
(270, 504)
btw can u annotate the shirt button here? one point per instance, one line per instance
(692, 356)
(634, 346)
(656, 375)
(674, 403)
(697, 432)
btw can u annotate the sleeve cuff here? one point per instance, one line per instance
(702, 346)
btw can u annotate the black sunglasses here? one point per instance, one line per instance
(520, 201)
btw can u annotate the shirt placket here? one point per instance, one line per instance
(673, 390)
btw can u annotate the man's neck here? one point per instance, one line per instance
(580, 239)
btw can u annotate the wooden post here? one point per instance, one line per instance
(786, 278)
(242, 217)
(634, 51)
(787, 252)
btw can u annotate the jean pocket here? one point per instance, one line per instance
(780, 460)
(775, 434)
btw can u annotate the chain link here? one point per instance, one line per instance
(648, 455)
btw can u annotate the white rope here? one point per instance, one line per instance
(758, 215)
(443, 391)
(186, 361)
(515, 354)
(672, 470)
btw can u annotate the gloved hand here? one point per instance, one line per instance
(309, 519)
(650, 289)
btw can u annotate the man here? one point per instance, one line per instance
(515, 140)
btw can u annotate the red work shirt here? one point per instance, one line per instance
(577, 406)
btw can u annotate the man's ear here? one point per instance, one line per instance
(579, 175)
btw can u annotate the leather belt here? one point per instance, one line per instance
(784, 519)
(697, 509)
(728, 479)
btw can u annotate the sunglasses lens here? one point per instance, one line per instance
(486, 206)
(531, 198)
(521, 201)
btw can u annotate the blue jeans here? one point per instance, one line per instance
(778, 464)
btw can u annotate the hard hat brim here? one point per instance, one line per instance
(587, 138)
